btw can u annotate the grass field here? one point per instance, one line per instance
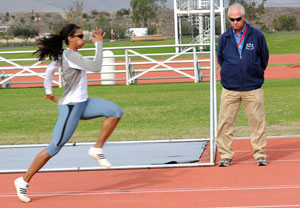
(152, 111)
(283, 43)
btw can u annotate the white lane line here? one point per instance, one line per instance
(269, 161)
(145, 191)
(264, 206)
(271, 150)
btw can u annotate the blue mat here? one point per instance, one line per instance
(120, 154)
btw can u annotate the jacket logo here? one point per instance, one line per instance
(250, 46)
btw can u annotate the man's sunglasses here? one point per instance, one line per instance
(235, 19)
(79, 36)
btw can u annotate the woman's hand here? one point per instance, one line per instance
(51, 97)
(98, 36)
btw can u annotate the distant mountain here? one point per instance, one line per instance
(60, 5)
(26, 6)
(63, 5)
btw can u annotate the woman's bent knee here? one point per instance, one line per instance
(119, 113)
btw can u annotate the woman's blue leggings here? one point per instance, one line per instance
(70, 114)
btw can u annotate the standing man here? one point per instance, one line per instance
(243, 56)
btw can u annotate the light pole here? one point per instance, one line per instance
(37, 19)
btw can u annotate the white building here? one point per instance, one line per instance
(137, 32)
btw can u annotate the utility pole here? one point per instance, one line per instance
(37, 19)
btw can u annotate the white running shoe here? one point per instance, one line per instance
(98, 154)
(21, 187)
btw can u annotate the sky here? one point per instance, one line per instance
(282, 3)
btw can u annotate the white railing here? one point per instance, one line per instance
(132, 69)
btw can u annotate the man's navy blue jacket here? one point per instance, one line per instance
(245, 72)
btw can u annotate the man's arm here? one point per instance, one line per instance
(219, 52)
(264, 53)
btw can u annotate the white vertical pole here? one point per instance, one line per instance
(201, 25)
(215, 93)
(127, 67)
(215, 74)
(212, 81)
(223, 24)
(176, 25)
(196, 73)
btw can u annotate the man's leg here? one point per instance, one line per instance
(255, 111)
(229, 107)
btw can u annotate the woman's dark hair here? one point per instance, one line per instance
(51, 46)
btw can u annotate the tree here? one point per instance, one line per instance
(24, 32)
(119, 32)
(285, 23)
(22, 20)
(85, 16)
(6, 36)
(58, 25)
(75, 12)
(94, 12)
(122, 12)
(252, 8)
(103, 22)
(6, 18)
(145, 10)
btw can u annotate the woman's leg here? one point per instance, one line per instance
(68, 117)
(108, 126)
(21, 183)
(113, 113)
(96, 107)
(39, 161)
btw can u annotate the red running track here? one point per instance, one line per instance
(241, 185)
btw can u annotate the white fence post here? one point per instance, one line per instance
(127, 67)
(196, 70)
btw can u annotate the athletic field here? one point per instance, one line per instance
(165, 110)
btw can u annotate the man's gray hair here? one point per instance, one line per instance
(237, 5)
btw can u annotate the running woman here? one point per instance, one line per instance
(74, 105)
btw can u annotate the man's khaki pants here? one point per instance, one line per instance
(254, 108)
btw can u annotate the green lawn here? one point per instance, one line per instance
(152, 111)
(283, 43)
